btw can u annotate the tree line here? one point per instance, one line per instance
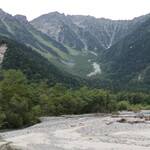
(23, 102)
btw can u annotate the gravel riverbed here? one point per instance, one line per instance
(82, 132)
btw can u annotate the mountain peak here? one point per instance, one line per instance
(21, 18)
(56, 15)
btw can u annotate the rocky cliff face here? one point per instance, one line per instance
(86, 32)
(3, 49)
(56, 26)
(64, 30)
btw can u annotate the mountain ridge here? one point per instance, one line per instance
(106, 32)
(18, 28)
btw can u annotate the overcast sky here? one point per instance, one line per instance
(113, 9)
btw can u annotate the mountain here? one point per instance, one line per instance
(20, 29)
(61, 28)
(86, 32)
(128, 61)
(111, 54)
(107, 31)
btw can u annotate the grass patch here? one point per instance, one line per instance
(72, 51)
(46, 55)
(49, 44)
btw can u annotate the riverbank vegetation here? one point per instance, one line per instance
(23, 102)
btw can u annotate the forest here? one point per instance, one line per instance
(22, 102)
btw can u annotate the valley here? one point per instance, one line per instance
(70, 41)
(80, 73)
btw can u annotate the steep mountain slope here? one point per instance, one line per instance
(45, 42)
(107, 31)
(86, 32)
(129, 60)
(19, 29)
(33, 65)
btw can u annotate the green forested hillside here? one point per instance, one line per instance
(128, 62)
(33, 65)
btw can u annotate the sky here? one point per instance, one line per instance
(112, 9)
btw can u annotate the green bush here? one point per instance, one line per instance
(123, 105)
